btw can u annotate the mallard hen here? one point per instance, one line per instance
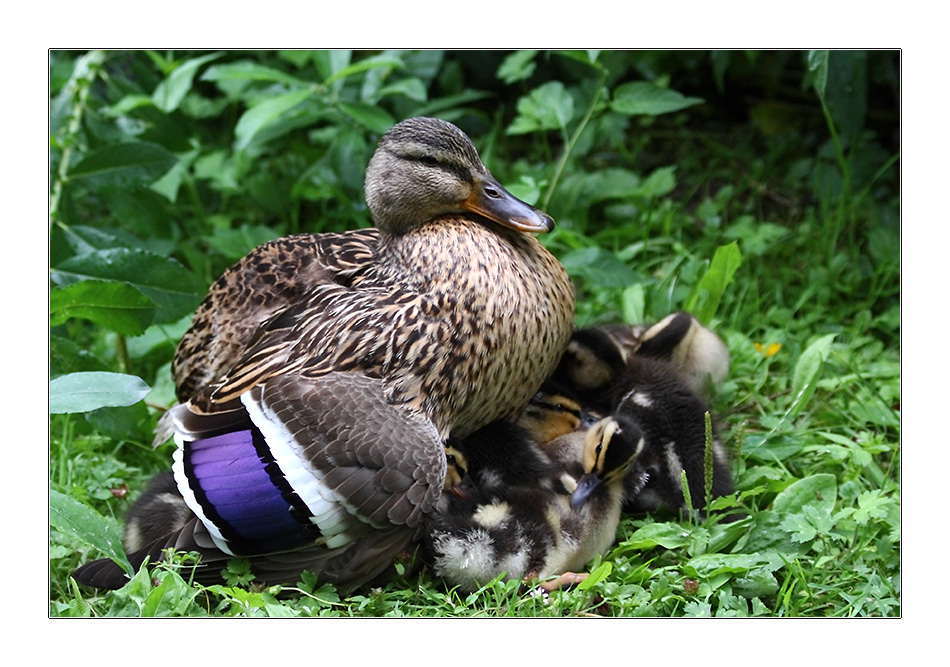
(321, 447)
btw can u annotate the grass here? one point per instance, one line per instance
(649, 207)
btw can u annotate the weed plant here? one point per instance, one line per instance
(759, 190)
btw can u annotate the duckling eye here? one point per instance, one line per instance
(450, 459)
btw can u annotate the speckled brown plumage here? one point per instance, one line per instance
(265, 282)
(452, 339)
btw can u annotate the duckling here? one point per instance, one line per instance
(160, 511)
(321, 447)
(592, 361)
(512, 513)
(659, 404)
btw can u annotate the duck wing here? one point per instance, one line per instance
(265, 282)
(321, 474)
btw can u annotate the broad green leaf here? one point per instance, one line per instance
(258, 117)
(518, 66)
(705, 300)
(330, 61)
(173, 289)
(599, 573)
(666, 535)
(376, 119)
(643, 98)
(610, 183)
(249, 71)
(588, 56)
(412, 88)
(124, 164)
(709, 565)
(633, 304)
(661, 182)
(168, 185)
(169, 93)
(820, 491)
(116, 306)
(82, 392)
(547, 107)
(872, 504)
(68, 515)
(600, 266)
(807, 369)
(382, 60)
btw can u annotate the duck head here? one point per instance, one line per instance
(425, 167)
(610, 450)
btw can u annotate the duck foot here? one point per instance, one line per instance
(563, 581)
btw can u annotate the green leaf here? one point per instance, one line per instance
(382, 60)
(666, 535)
(872, 504)
(82, 392)
(250, 71)
(518, 66)
(820, 491)
(705, 300)
(643, 98)
(116, 306)
(173, 289)
(376, 119)
(710, 565)
(818, 66)
(633, 304)
(547, 107)
(68, 515)
(412, 88)
(258, 117)
(169, 93)
(807, 369)
(168, 185)
(124, 164)
(599, 573)
(661, 182)
(599, 266)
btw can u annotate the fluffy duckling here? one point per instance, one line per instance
(159, 512)
(660, 406)
(595, 356)
(319, 444)
(512, 513)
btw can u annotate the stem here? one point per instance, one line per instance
(562, 163)
(122, 354)
(81, 81)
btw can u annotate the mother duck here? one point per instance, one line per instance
(321, 446)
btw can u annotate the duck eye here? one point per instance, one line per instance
(429, 160)
(492, 192)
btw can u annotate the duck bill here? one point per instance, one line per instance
(488, 199)
(586, 486)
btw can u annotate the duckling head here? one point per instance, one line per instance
(610, 450)
(456, 469)
(424, 168)
(551, 414)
